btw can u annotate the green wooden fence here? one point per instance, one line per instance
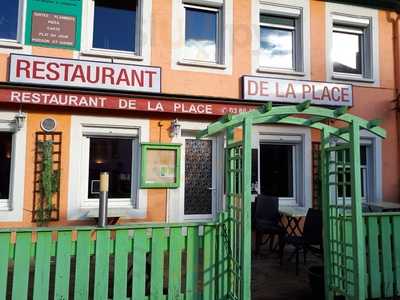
(382, 255)
(183, 261)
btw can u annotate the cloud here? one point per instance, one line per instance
(276, 49)
(345, 49)
(202, 50)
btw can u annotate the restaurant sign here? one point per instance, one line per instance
(296, 91)
(116, 102)
(84, 74)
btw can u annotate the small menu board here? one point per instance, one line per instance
(53, 29)
(160, 165)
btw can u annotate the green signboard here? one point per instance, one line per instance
(54, 23)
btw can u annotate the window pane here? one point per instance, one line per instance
(276, 170)
(198, 177)
(276, 48)
(9, 19)
(347, 53)
(113, 155)
(115, 25)
(5, 163)
(277, 20)
(201, 35)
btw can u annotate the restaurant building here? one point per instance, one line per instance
(92, 86)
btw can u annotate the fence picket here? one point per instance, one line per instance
(121, 264)
(42, 266)
(209, 263)
(81, 291)
(373, 253)
(102, 264)
(175, 259)
(63, 265)
(396, 253)
(192, 263)
(140, 245)
(4, 257)
(21, 265)
(158, 245)
(387, 258)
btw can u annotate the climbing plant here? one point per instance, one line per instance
(49, 183)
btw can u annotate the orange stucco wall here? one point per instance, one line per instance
(370, 102)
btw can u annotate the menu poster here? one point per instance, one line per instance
(160, 165)
(54, 23)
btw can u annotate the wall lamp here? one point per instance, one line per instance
(175, 128)
(20, 120)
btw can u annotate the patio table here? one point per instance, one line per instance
(384, 206)
(294, 216)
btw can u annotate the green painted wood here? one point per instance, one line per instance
(176, 241)
(102, 264)
(81, 291)
(158, 246)
(373, 254)
(192, 264)
(140, 246)
(42, 266)
(63, 265)
(21, 265)
(387, 266)
(121, 264)
(4, 258)
(396, 253)
(209, 263)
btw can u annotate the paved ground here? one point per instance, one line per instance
(271, 281)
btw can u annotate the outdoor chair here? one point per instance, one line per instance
(310, 240)
(266, 222)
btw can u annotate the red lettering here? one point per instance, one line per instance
(290, 91)
(326, 94)
(36, 69)
(336, 93)
(108, 73)
(122, 77)
(345, 95)
(52, 70)
(151, 74)
(306, 90)
(78, 73)
(277, 91)
(23, 65)
(137, 80)
(252, 88)
(314, 96)
(66, 70)
(264, 88)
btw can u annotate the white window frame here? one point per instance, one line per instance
(223, 64)
(367, 21)
(301, 139)
(19, 41)
(176, 197)
(142, 52)
(11, 209)
(83, 127)
(298, 9)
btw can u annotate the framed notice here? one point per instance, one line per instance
(160, 165)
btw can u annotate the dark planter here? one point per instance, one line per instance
(316, 278)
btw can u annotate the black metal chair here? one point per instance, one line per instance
(266, 222)
(311, 240)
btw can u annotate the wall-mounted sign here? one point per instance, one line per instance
(52, 29)
(296, 91)
(160, 165)
(103, 101)
(84, 74)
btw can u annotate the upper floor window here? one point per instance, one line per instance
(9, 15)
(202, 34)
(115, 25)
(351, 47)
(5, 163)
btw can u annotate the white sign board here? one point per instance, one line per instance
(296, 91)
(85, 74)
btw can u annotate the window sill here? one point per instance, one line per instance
(4, 205)
(202, 64)
(352, 78)
(10, 44)
(280, 71)
(112, 54)
(120, 212)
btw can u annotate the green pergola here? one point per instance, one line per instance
(344, 240)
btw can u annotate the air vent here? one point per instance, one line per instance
(48, 124)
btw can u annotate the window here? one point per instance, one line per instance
(355, 58)
(112, 155)
(202, 37)
(5, 163)
(9, 15)
(278, 42)
(100, 144)
(114, 25)
(352, 50)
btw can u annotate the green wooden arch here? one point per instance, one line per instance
(343, 224)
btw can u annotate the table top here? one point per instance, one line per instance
(293, 211)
